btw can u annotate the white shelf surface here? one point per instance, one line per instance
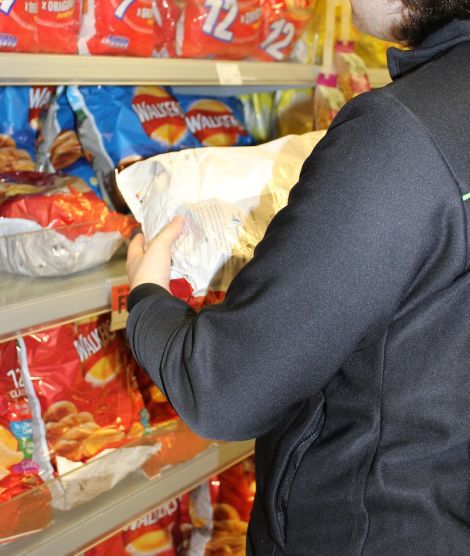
(30, 303)
(135, 496)
(54, 69)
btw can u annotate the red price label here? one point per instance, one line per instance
(119, 295)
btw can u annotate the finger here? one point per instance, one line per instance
(136, 247)
(171, 231)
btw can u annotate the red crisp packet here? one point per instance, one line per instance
(228, 30)
(58, 24)
(18, 32)
(20, 513)
(82, 376)
(283, 23)
(117, 27)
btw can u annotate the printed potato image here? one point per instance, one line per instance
(59, 410)
(6, 141)
(223, 129)
(150, 544)
(156, 395)
(81, 432)
(127, 161)
(55, 431)
(12, 160)
(160, 115)
(104, 370)
(70, 449)
(65, 150)
(74, 419)
(100, 439)
(9, 457)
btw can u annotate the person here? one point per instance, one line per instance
(343, 347)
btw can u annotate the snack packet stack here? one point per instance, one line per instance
(80, 380)
(222, 30)
(24, 500)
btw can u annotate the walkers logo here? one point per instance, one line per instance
(39, 98)
(214, 123)
(160, 115)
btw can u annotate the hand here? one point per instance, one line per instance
(151, 263)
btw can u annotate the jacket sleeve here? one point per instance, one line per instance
(327, 278)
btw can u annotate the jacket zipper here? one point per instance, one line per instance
(314, 434)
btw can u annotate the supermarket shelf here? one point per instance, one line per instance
(135, 496)
(28, 303)
(45, 69)
(50, 69)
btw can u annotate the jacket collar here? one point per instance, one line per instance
(436, 44)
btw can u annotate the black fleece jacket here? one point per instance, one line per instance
(344, 345)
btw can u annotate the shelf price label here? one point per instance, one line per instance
(119, 314)
(229, 73)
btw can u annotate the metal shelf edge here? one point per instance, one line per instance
(127, 501)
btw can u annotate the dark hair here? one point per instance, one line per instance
(422, 17)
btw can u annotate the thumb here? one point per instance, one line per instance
(171, 231)
(136, 247)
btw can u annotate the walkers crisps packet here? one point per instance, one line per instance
(58, 24)
(215, 121)
(352, 72)
(283, 23)
(120, 125)
(18, 31)
(20, 513)
(20, 109)
(230, 199)
(59, 149)
(228, 29)
(117, 27)
(81, 377)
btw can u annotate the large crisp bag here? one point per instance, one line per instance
(24, 501)
(228, 29)
(80, 378)
(51, 225)
(227, 195)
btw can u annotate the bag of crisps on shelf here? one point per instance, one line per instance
(120, 125)
(59, 149)
(53, 225)
(18, 30)
(166, 16)
(283, 23)
(20, 109)
(58, 25)
(215, 121)
(117, 27)
(80, 377)
(223, 29)
(24, 500)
